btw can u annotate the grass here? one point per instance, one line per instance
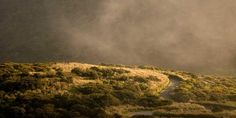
(189, 110)
(98, 72)
(207, 88)
(72, 90)
(85, 90)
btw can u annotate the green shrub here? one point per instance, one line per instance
(133, 78)
(181, 97)
(19, 84)
(126, 96)
(67, 79)
(143, 86)
(216, 97)
(48, 74)
(232, 97)
(147, 67)
(40, 67)
(96, 72)
(153, 101)
(12, 69)
(102, 100)
(176, 77)
(109, 72)
(92, 88)
(86, 73)
(135, 87)
(139, 79)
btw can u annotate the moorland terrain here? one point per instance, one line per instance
(71, 90)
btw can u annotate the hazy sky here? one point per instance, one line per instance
(193, 35)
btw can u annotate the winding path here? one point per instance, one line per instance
(169, 83)
(166, 93)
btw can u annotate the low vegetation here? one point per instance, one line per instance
(45, 90)
(83, 90)
(190, 110)
(96, 72)
(206, 88)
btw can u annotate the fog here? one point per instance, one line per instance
(191, 35)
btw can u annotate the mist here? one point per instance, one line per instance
(191, 35)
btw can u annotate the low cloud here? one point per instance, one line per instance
(189, 35)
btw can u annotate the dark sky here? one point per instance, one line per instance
(193, 35)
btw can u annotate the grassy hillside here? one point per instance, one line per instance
(83, 90)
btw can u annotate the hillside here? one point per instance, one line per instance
(74, 90)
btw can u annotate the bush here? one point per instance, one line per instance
(152, 101)
(40, 67)
(92, 88)
(66, 79)
(176, 77)
(96, 72)
(102, 100)
(232, 97)
(216, 97)
(147, 67)
(181, 97)
(126, 96)
(139, 79)
(86, 73)
(109, 72)
(11, 69)
(121, 78)
(16, 112)
(133, 78)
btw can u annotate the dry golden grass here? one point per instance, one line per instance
(154, 86)
(80, 81)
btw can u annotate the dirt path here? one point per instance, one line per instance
(166, 93)
(165, 84)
